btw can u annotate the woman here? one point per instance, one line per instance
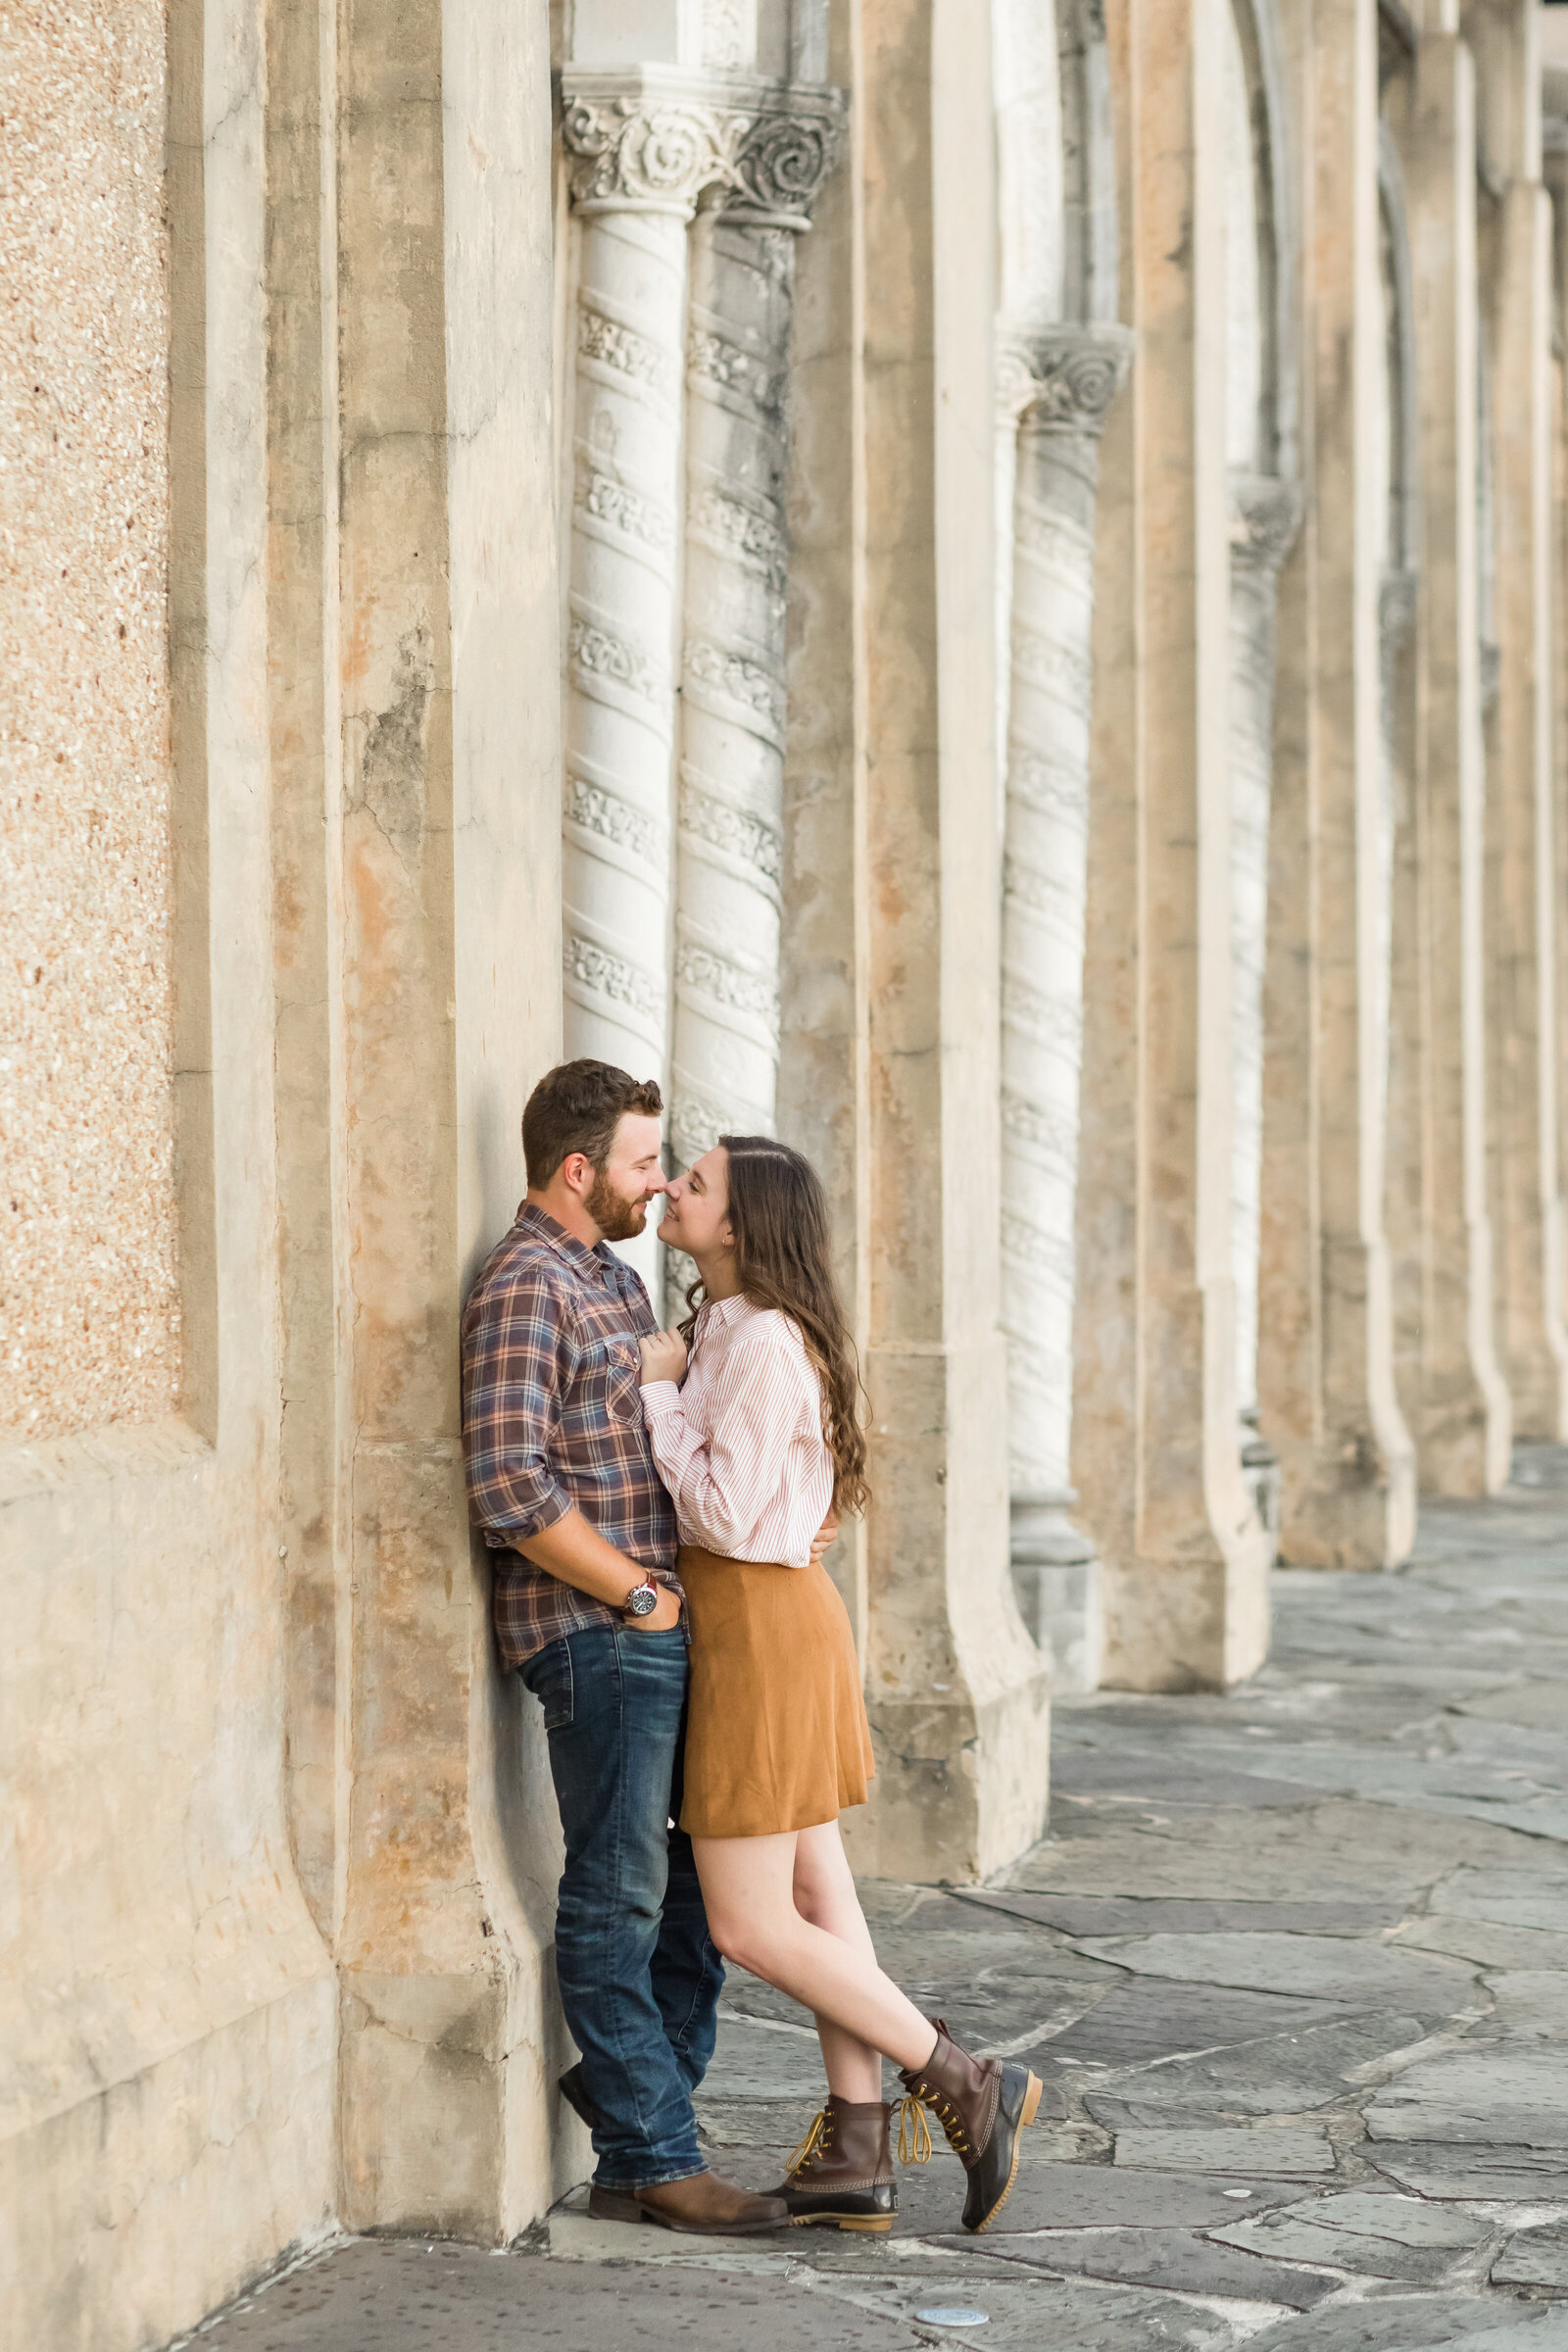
(759, 1447)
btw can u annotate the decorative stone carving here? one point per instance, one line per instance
(1057, 384)
(786, 157)
(727, 27)
(1064, 379)
(733, 702)
(1265, 517)
(657, 139)
(630, 150)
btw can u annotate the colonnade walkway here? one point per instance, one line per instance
(1294, 1964)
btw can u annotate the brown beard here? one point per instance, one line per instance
(617, 1218)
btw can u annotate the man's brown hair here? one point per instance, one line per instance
(577, 1107)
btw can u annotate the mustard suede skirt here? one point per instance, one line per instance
(776, 1735)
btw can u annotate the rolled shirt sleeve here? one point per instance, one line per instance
(518, 1354)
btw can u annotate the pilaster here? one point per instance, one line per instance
(447, 974)
(1458, 1410)
(1522, 903)
(1155, 1427)
(1554, 164)
(1326, 1332)
(956, 1692)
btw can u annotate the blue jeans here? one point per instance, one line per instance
(638, 1973)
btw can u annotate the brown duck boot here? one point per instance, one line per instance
(700, 2206)
(983, 2106)
(842, 2172)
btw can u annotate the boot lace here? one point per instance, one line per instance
(914, 2132)
(947, 2114)
(816, 2143)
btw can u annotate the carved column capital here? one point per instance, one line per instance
(1063, 379)
(1265, 517)
(653, 138)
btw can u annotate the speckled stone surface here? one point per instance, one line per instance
(88, 1312)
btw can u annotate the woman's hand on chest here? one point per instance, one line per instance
(663, 1354)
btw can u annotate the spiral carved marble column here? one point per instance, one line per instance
(731, 773)
(1266, 515)
(640, 157)
(1060, 382)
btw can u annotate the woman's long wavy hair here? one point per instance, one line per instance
(778, 1212)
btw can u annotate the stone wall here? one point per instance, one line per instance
(87, 1119)
(170, 2024)
(277, 1863)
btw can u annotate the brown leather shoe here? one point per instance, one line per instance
(842, 2172)
(700, 2206)
(983, 2106)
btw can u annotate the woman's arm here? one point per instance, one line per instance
(724, 1480)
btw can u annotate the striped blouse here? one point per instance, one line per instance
(740, 1444)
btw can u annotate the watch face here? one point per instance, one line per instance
(643, 1603)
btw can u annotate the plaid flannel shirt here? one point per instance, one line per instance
(552, 1416)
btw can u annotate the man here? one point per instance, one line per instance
(588, 1609)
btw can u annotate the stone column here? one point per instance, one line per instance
(1347, 1463)
(1265, 515)
(731, 780)
(1066, 376)
(643, 144)
(638, 163)
(1461, 1413)
(1521, 897)
(1154, 1424)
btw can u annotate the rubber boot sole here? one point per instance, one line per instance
(1026, 2116)
(873, 2222)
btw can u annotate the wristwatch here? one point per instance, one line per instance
(644, 1600)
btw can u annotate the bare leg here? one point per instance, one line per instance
(825, 1895)
(749, 1890)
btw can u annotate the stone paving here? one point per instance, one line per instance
(1294, 1965)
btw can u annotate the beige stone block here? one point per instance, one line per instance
(129, 2215)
